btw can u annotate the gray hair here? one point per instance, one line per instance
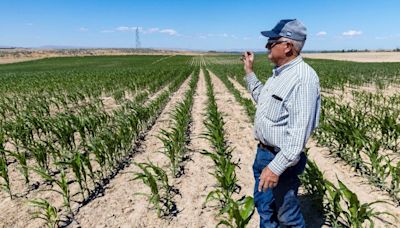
(297, 45)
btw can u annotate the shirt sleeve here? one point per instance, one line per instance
(302, 107)
(254, 86)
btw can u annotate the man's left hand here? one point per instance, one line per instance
(268, 179)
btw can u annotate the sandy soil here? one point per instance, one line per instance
(22, 55)
(243, 91)
(17, 60)
(347, 96)
(357, 56)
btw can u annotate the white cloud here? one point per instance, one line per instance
(352, 33)
(151, 30)
(122, 29)
(127, 29)
(107, 31)
(170, 32)
(83, 29)
(322, 33)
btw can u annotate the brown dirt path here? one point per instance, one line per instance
(239, 133)
(243, 91)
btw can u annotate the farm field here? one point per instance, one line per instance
(167, 141)
(373, 56)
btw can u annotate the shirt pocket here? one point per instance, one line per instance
(274, 108)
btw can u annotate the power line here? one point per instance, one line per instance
(137, 38)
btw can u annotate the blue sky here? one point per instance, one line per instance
(204, 25)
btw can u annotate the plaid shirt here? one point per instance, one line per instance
(288, 110)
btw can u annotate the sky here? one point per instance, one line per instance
(197, 24)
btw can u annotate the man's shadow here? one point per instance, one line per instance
(312, 210)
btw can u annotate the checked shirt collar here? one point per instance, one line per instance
(278, 70)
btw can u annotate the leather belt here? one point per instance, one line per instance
(267, 147)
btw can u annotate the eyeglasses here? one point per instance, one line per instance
(272, 43)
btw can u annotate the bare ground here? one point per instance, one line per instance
(347, 96)
(22, 55)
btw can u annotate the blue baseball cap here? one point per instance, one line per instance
(290, 28)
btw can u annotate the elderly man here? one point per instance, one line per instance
(288, 108)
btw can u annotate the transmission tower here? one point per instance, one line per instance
(137, 38)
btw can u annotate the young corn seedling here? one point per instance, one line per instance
(4, 166)
(40, 153)
(356, 213)
(4, 173)
(75, 162)
(62, 183)
(314, 183)
(161, 193)
(21, 157)
(395, 182)
(239, 212)
(343, 208)
(45, 212)
(171, 148)
(174, 141)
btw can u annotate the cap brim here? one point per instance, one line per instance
(269, 34)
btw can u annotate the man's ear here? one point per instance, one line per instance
(289, 51)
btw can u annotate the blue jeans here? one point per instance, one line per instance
(278, 207)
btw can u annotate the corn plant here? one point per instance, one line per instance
(344, 208)
(45, 212)
(380, 165)
(313, 182)
(4, 172)
(175, 139)
(61, 182)
(395, 182)
(21, 157)
(238, 212)
(77, 163)
(365, 127)
(161, 192)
